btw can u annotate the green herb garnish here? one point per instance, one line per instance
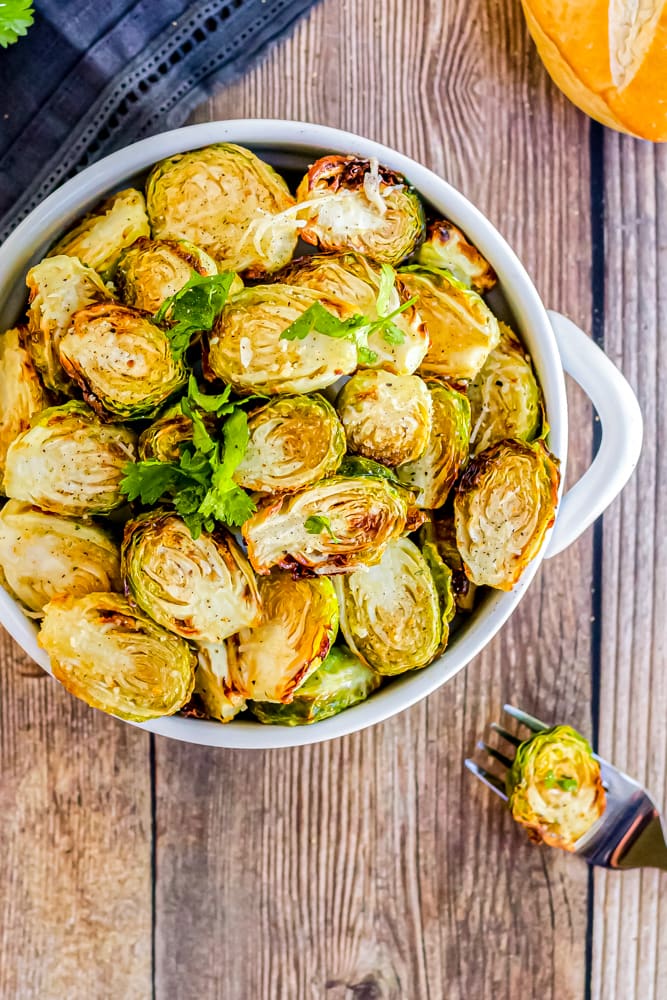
(194, 308)
(317, 523)
(16, 16)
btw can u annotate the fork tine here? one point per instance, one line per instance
(514, 740)
(490, 780)
(528, 720)
(496, 754)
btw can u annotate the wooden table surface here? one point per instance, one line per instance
(374, 867)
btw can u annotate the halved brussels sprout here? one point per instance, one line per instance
(294, 441)
(355, 465)
(151, 271)
(335, 526)
(390, 613)
(43, 555)
(340, 682)
(440, 534)
(352, 283)
(434, 473)
(202, 589)
(121, 360)
(299, 625)
(58, 287)
(101, 237)
(555, 788)
(446, 247)
(69, 463)
(504, 504)
(163, 438)
(442, 577)
(355, 204)
(225, 199)
(386, 417)
(21, 392)
(213, 684)
(116, 659)
(245, 347)
(462, 328)
(505, 399)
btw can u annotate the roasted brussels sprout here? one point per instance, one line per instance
(354, 204)
(555, 788)
(202, 589)
(162, 439)
(440, 535)
(121, 360)
(21, 392)
(225, 199)
(442, 577)
(213, 684)
(386, 417)
(43, 556)
(505, 502)
(151, 271)
(340, 682)
(353, 284)
(390, 613)
(58, 287)
(335, 526)
(299, 625)
(434, 473)
(69, 463)
(294, 441)
(462, 328)
(101, 237)
(446, 247)
(114, 658)
(504, 396)
(246, 348)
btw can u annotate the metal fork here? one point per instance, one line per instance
(629, 834)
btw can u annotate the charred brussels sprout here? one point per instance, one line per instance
(354, 204)
(353, 284)
(294, 441)
(246, 348)
(163, 438)
(151, 271)
(298, 627)
(69, 463)
(43, 555)
(226, 200)
(213, 684)
(505, 398)
(340, 682)
(101, 237)
(202, 589)
(390, 614)
(446, 247)
(121, 360)
(335, 526)
(504, 504)
(555, 787)
(116, 659)
(440, 536)
(434, 473)
(58, 288)
(462, 328)
(21, 392)
(386, 417)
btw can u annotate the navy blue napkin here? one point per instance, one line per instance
(91, 76)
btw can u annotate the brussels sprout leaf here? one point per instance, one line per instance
(194, 308)
(16, 16)
(317, 523)
(387, 282)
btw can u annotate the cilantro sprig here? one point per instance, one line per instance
(200, 485)
(193, 308)
(16, 16)
(317, 523)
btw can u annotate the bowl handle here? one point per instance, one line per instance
(621, 424)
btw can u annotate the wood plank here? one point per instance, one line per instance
(630, 915)
(75, 829)
(374, 867)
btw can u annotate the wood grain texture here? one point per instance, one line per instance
(374, 867)
(630, 916)
(75, 829)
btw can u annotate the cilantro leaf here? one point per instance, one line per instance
(366, 356)
(568, 784)
(149, 480)
(193, 308)
(16, 16)
(317, 523)
(319, 319)
(218, 405)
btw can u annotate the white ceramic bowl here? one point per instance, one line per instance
(556, 345)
